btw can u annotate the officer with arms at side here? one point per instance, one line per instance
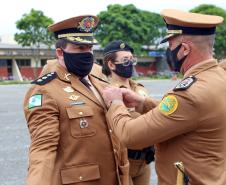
(189, 124)
(71, 140)
(118, 67)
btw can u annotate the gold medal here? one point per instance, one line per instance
(83, 123)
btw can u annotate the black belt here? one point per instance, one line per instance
(146, 154)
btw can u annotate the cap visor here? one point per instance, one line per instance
(168, 37)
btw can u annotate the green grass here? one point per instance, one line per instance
(11, 82)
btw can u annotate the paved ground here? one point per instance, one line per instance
(14, 138)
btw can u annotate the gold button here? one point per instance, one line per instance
(115, 150)
(110, 131)
(80, 178)
(80, 113)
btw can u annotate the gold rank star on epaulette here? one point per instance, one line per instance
(185, 83)
(45, 79)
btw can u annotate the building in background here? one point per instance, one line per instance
(25, 63)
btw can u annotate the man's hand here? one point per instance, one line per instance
(110, 94)
(131, 99)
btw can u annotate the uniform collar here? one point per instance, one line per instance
(200, 67)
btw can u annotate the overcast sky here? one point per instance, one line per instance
(12, 10)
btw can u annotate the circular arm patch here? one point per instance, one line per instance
(168, 105)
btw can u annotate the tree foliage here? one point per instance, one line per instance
(33, 29)
(220, 44)
(135, 26)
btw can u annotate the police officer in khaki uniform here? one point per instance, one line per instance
(71, 141)
(189, 124)
(118, 67)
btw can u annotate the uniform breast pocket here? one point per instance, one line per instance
(81, 121)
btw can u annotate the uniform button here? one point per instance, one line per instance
(110, 131)
(80, 113)
(80, 178)
(114, 150)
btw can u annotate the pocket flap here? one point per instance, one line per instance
(79, 112)
(80, 173)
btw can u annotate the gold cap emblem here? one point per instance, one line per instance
(122, 46)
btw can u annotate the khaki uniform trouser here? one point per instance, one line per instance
(139, 172)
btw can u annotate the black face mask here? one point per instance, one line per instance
(172, 60)
(124, 71)
(79, 64)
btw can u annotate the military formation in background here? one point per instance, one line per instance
(92, 124)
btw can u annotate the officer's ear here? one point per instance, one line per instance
(186, 49)
(111, 65)
(59, 53)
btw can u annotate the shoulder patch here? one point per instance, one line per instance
(35, 101)
(45, 79)
(168, 105)
(102, 80)
(185, 83)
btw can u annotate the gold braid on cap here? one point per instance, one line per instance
(174, 31)
(79, 39)
(74, 35)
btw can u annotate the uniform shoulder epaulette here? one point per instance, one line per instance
(185, 83)
(45, 78)
(100, 79)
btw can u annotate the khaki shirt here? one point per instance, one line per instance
(71, 141)
(188, 125)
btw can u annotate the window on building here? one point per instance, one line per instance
(3, 63)
(43, 62)
(23, 62)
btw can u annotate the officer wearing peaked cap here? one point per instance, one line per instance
(189, 124)
(118, 67)
(71, 140)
